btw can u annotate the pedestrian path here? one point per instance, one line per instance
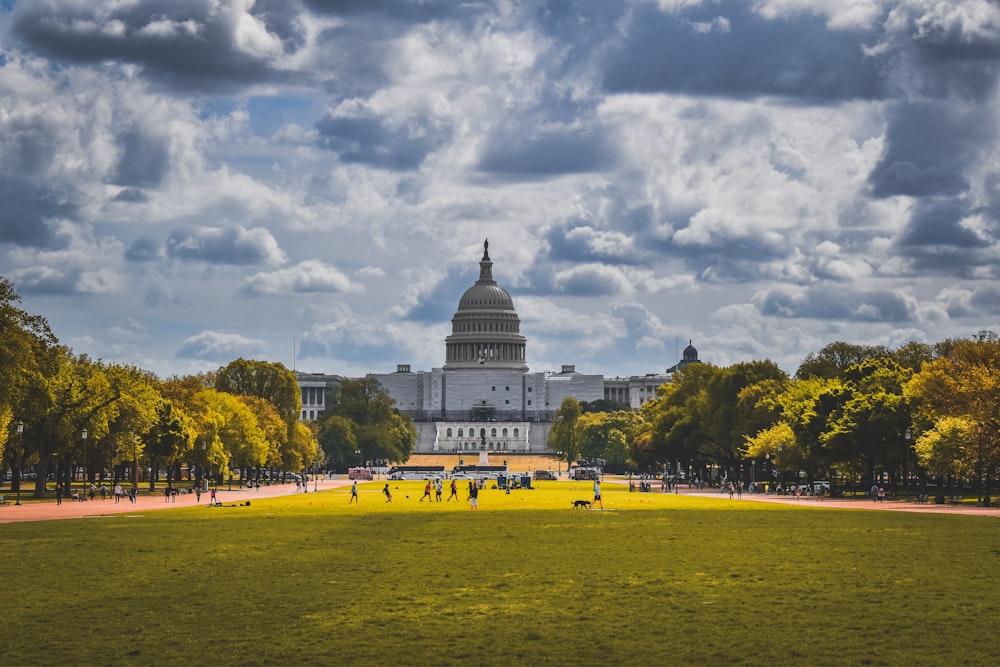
(73, 509)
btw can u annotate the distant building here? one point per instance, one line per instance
(485, 397)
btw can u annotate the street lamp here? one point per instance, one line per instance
(20, 445)
(135, 461)
(907, 436)
(84, 434)
(979, 428)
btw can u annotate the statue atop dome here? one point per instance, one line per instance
(486, 250)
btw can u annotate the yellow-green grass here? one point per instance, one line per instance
(654, 579)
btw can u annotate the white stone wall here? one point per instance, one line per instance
(580, 387)
(499, 390)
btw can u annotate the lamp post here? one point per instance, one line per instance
(135, 461)
(907, 436)
(979, 471)
(20, 437)
(84, 490)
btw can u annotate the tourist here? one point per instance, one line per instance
(474, 495)
(454, 491)
(438, 488)
(597, 494)
(388, 494)
(354, 493)
(59, 493)
(119, 493)
(427, 491)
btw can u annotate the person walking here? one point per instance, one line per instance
(474, 496)
(197, 493)
(354, 493)
(104, 491)
(427, 491)
(212, 500)
(454, 491)
(438, 488)
(119, 493)
(93, 491)
(59, 493)
(597, 494)
(388, 493)
(874, 493)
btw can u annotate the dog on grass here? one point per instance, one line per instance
(581, 504)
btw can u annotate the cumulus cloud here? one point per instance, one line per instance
(224, 245)
(305, 277)
(828, 304)
(221, 347)
(205, 44)
(378, 142)
(727, 49)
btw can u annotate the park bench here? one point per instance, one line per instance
(956, 500)
(4, 502)
(920, 499)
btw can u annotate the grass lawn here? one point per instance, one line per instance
(655, 579)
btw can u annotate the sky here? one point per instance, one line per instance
(310, 182)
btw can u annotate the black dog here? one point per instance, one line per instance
(577, 504)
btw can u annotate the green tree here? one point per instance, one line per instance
(834, 359)
(263, 379)
(563, 437)
(381, 432)
(873, 413)
(336, 437)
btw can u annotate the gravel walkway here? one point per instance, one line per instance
(74, 509)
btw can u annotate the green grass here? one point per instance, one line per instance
(655, 579)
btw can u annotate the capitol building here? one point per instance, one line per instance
(484, 397)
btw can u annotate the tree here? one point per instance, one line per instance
(963, 382)
(835, 358)
(873, 413)
(336, 437)
(381, 432)
(947, 449)
(263, 379)
(563, 437)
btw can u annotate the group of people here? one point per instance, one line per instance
(435, 486)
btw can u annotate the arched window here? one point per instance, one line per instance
(516, 432)
(504, 433)
(493, 432)
(448, 433)
(460, 433)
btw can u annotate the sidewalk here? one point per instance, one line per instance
(855, 503)
(74, 509)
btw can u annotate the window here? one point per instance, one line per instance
(493, 388)
(448, 433)
(516, 432)
(529, 401)
(529, 390)
(460, 433)
(493, 432)
(507, 402)
(506, 388)
(504, 433)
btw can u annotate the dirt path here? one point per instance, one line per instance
(858, 504)
(73, 509)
